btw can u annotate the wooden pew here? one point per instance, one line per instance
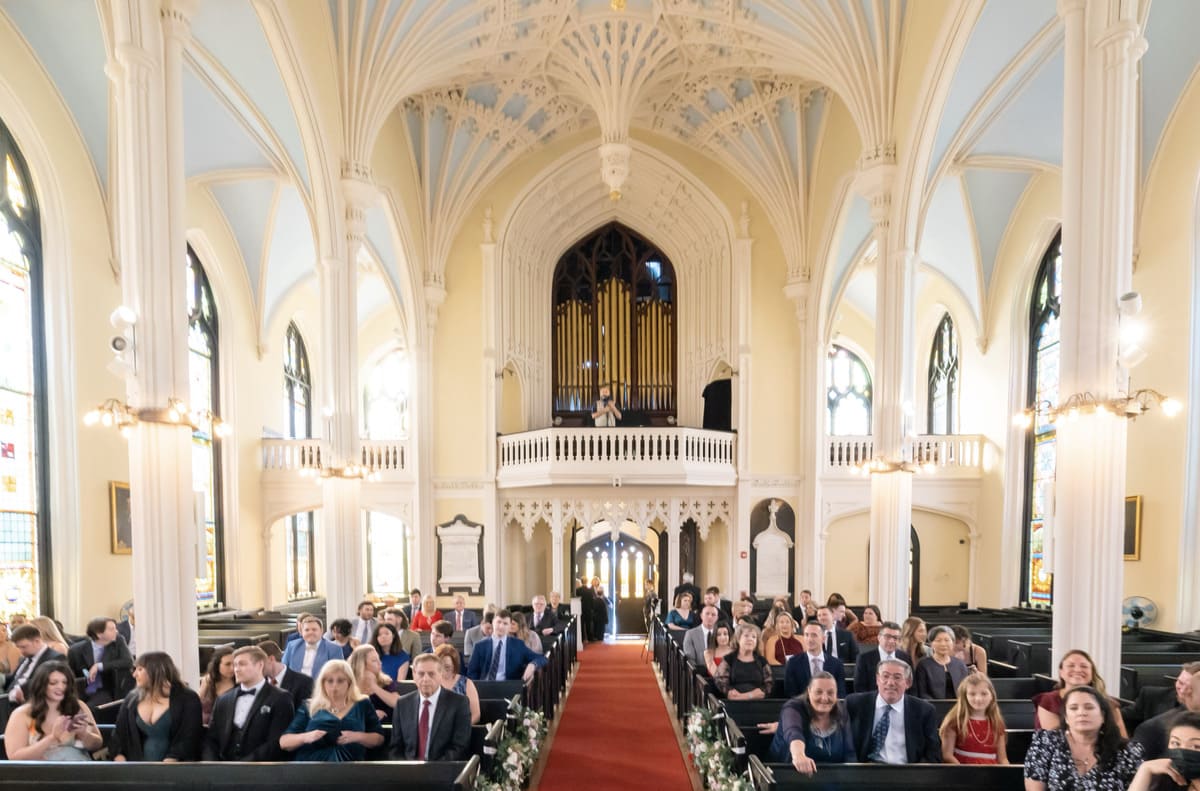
(872, 777)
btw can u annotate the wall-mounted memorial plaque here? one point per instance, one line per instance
(460, 555)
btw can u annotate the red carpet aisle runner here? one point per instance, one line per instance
(615, 731)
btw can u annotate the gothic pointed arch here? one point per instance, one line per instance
(942, 413)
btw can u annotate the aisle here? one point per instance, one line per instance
(615, 731)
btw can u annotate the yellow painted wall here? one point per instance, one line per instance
(944, 558)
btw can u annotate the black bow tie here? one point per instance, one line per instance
(241, 692)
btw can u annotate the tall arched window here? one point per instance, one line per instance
(614, 323)
(387, 555)
(1041, 449)
(204, 394)
(385, 397)
(847, 394)
(24, 477)
(297, 404)
(943, 379)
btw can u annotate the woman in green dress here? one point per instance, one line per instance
(338, 723)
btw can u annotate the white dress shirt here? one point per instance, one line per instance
(310, 658)
(241, 709)
(433, 703)
(894, 751)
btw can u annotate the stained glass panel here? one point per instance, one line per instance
(848, 394)
(203, 395)
(943, 379)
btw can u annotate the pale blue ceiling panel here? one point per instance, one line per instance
(1001, 32)
(66, 37)
(788, 124)
(860, 291)
(993, 195)
(1173, 33)
(292, 255)
(379, 235)
(856, 229)
(214, 140)
(231, 31)
(247, 206)
(1031, 126)
(946, 242)
(814, 114)
(373, 295)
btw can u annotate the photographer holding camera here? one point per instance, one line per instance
(606, 413)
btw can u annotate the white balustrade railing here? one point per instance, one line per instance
(962, 452)
(385, 456)
(616, 446)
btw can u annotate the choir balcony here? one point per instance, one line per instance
(288, 459)
(957, 456)
(670, 456)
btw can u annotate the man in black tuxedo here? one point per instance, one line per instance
(104, 661)
(800, 668)
(298, 685)
(248, 720)
(868, 661)
(838, 642)
(543, 620)
(433, 723)
(891, 727)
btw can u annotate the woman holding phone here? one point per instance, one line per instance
(55, 725)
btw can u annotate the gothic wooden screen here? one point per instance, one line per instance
(614, 323)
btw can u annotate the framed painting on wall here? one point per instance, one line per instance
(119, 518)
(1133, 527)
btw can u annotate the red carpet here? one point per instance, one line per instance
(615, 730)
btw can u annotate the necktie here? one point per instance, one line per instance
(879, 735)
(830, 645)
(423, 732)
(816, 665)
(271, 680)
(495, 666)
(458, 618)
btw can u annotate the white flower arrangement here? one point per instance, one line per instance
(518, 752)
(711, 756)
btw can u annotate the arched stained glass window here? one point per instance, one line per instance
(204, 394)
(24, 482)
(388, 552)
(943, 379)
(297, 405)
(847, 395)
(1041, 450)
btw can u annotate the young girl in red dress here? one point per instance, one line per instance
(973, 731)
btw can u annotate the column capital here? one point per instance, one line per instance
(435, 295)
(177, 16)
(798, 291)
(874, 181)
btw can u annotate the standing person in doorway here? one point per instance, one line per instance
(606, 412)
(600, 605)
(587, 604)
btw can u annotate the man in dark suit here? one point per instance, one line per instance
(462, 618)
(431, 724)
(362, 626)
(1153, 701)
(868, 661)
(104, 661)
(248, 720)
(298, 685)
(891, 727)
(514, 659)
(414, 604)
(34, 654)
(800, 668)
(561, 609)
(838, 642)
(543, 620)
(587, 604)
(712, 595)
(1154, 733)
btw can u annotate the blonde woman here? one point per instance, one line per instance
(10, 657)
(338, 723)
(373, 682)
(51, 636)
(424, 618)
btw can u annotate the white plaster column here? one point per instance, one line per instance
(556, 546)
(491, 377)
(740, 392)
(675, 575)
(810, 368)
(148, 133)
(1102, 46)
(891, 410)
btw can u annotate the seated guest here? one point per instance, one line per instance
(460, 617)
(973, 731)
(217, 680)
(443, 634)
(940, 673)
(1181, 767)
(784, 642)
(1152, 702)
(339, 635)
(842, 615)
(52, 635)
(424, 618)
(456, 681)
(542, 621)
(477, 634)
(161, 719)
(298, 685)
(744, 675)
(742, 608)
(378, 686)
(410, 641)
(503, 657)
(912, 638)
(768, 627)
(838, 642)
(698, 640)
(891, 727)
(363, 625)
(128, 630)
(722, 646)
(866, 631)
(712, 595)
(310, 653)
(973, 656)
(338, 723)
(386, 642)
(1075, 669)
(248, 720)
(522, 632)
(689, 587)
(10, 657)
(803, 667)
(814, 729)
(103, 660)
(54, 725)
(300, 619)
(433, 723)
(414, 604)
(1087, 751)
(559, 607)
(682, 617)
(868, 661)
(806, 610)
(1153, 733)
(34, 653)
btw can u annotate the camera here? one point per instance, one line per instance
(605, 399)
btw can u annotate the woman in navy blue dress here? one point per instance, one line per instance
(338, 723)
(814, 729)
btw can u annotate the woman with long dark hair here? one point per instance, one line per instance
(160, 720)
(54, 725)
(216, 681)
(386, 641)
(1086, 753)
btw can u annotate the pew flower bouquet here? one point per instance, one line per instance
(518, 752)
(711, 755)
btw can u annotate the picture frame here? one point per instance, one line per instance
(120, 518)
(1133, 527)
